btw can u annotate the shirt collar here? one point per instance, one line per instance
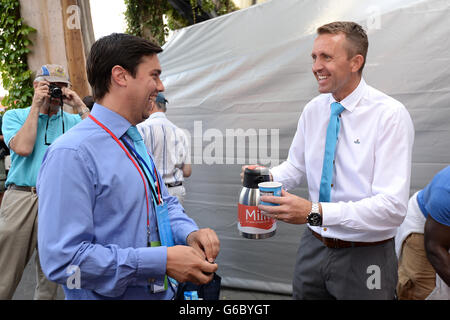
(56, 115)
(158, 115)
(350, 101)
(117, 124)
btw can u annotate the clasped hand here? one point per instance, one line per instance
(194, 262)
(292, 209)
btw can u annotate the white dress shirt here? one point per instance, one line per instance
(371, 175)
(168, 145)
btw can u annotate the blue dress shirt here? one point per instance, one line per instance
(93, 215)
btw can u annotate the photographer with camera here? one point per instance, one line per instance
(28, 132)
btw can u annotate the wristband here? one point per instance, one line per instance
(83, 112)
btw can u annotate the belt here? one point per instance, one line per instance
(338, 243)
(22, 188)
(175, 184)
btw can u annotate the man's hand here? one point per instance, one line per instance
(23, 142)
(291, 209)
(71, 98)
(41, 95)
(206, 242)
(187, 264)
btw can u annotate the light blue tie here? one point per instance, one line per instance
(328, 158)
(139, 145)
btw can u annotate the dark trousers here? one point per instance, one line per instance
(360, 273)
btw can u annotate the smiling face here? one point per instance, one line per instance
(335, 71)
(144, 87)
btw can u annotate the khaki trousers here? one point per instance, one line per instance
(18, 240)
(416, 276)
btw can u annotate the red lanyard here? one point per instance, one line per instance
(137, 167)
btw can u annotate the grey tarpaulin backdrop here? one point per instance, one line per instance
(251, 70)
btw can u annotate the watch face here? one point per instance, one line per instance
(314, 219)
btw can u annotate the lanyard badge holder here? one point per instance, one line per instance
(162, 213)
(162, 216)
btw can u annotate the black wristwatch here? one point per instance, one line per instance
(314, 217)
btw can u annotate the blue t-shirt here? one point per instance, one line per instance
(434, 199)
(24, 170)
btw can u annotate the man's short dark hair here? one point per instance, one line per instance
(116, 49)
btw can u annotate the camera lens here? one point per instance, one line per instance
(55, 91)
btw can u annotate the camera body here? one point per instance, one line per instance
(55, 91)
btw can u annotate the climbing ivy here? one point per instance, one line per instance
(14, 48)
(145, 17)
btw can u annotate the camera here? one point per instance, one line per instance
(55, 91)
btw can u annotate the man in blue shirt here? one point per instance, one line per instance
(99, 197)
(434, 200)
(28, 133)
(423, 242)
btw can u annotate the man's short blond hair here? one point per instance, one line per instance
(354, 33)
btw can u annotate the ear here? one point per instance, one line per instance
(357, 62)
(119, 76)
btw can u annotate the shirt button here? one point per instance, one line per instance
(325, 229)
(332, 185)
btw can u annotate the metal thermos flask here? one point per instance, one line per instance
(252, 224)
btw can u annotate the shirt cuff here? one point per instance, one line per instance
(185, 233)
(331, 213)
(152, 264)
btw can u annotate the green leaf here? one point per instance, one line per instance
(14, 47)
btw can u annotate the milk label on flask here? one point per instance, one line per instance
(252, 224)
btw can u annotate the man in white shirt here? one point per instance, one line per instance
(348, 250)
(169, 146)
